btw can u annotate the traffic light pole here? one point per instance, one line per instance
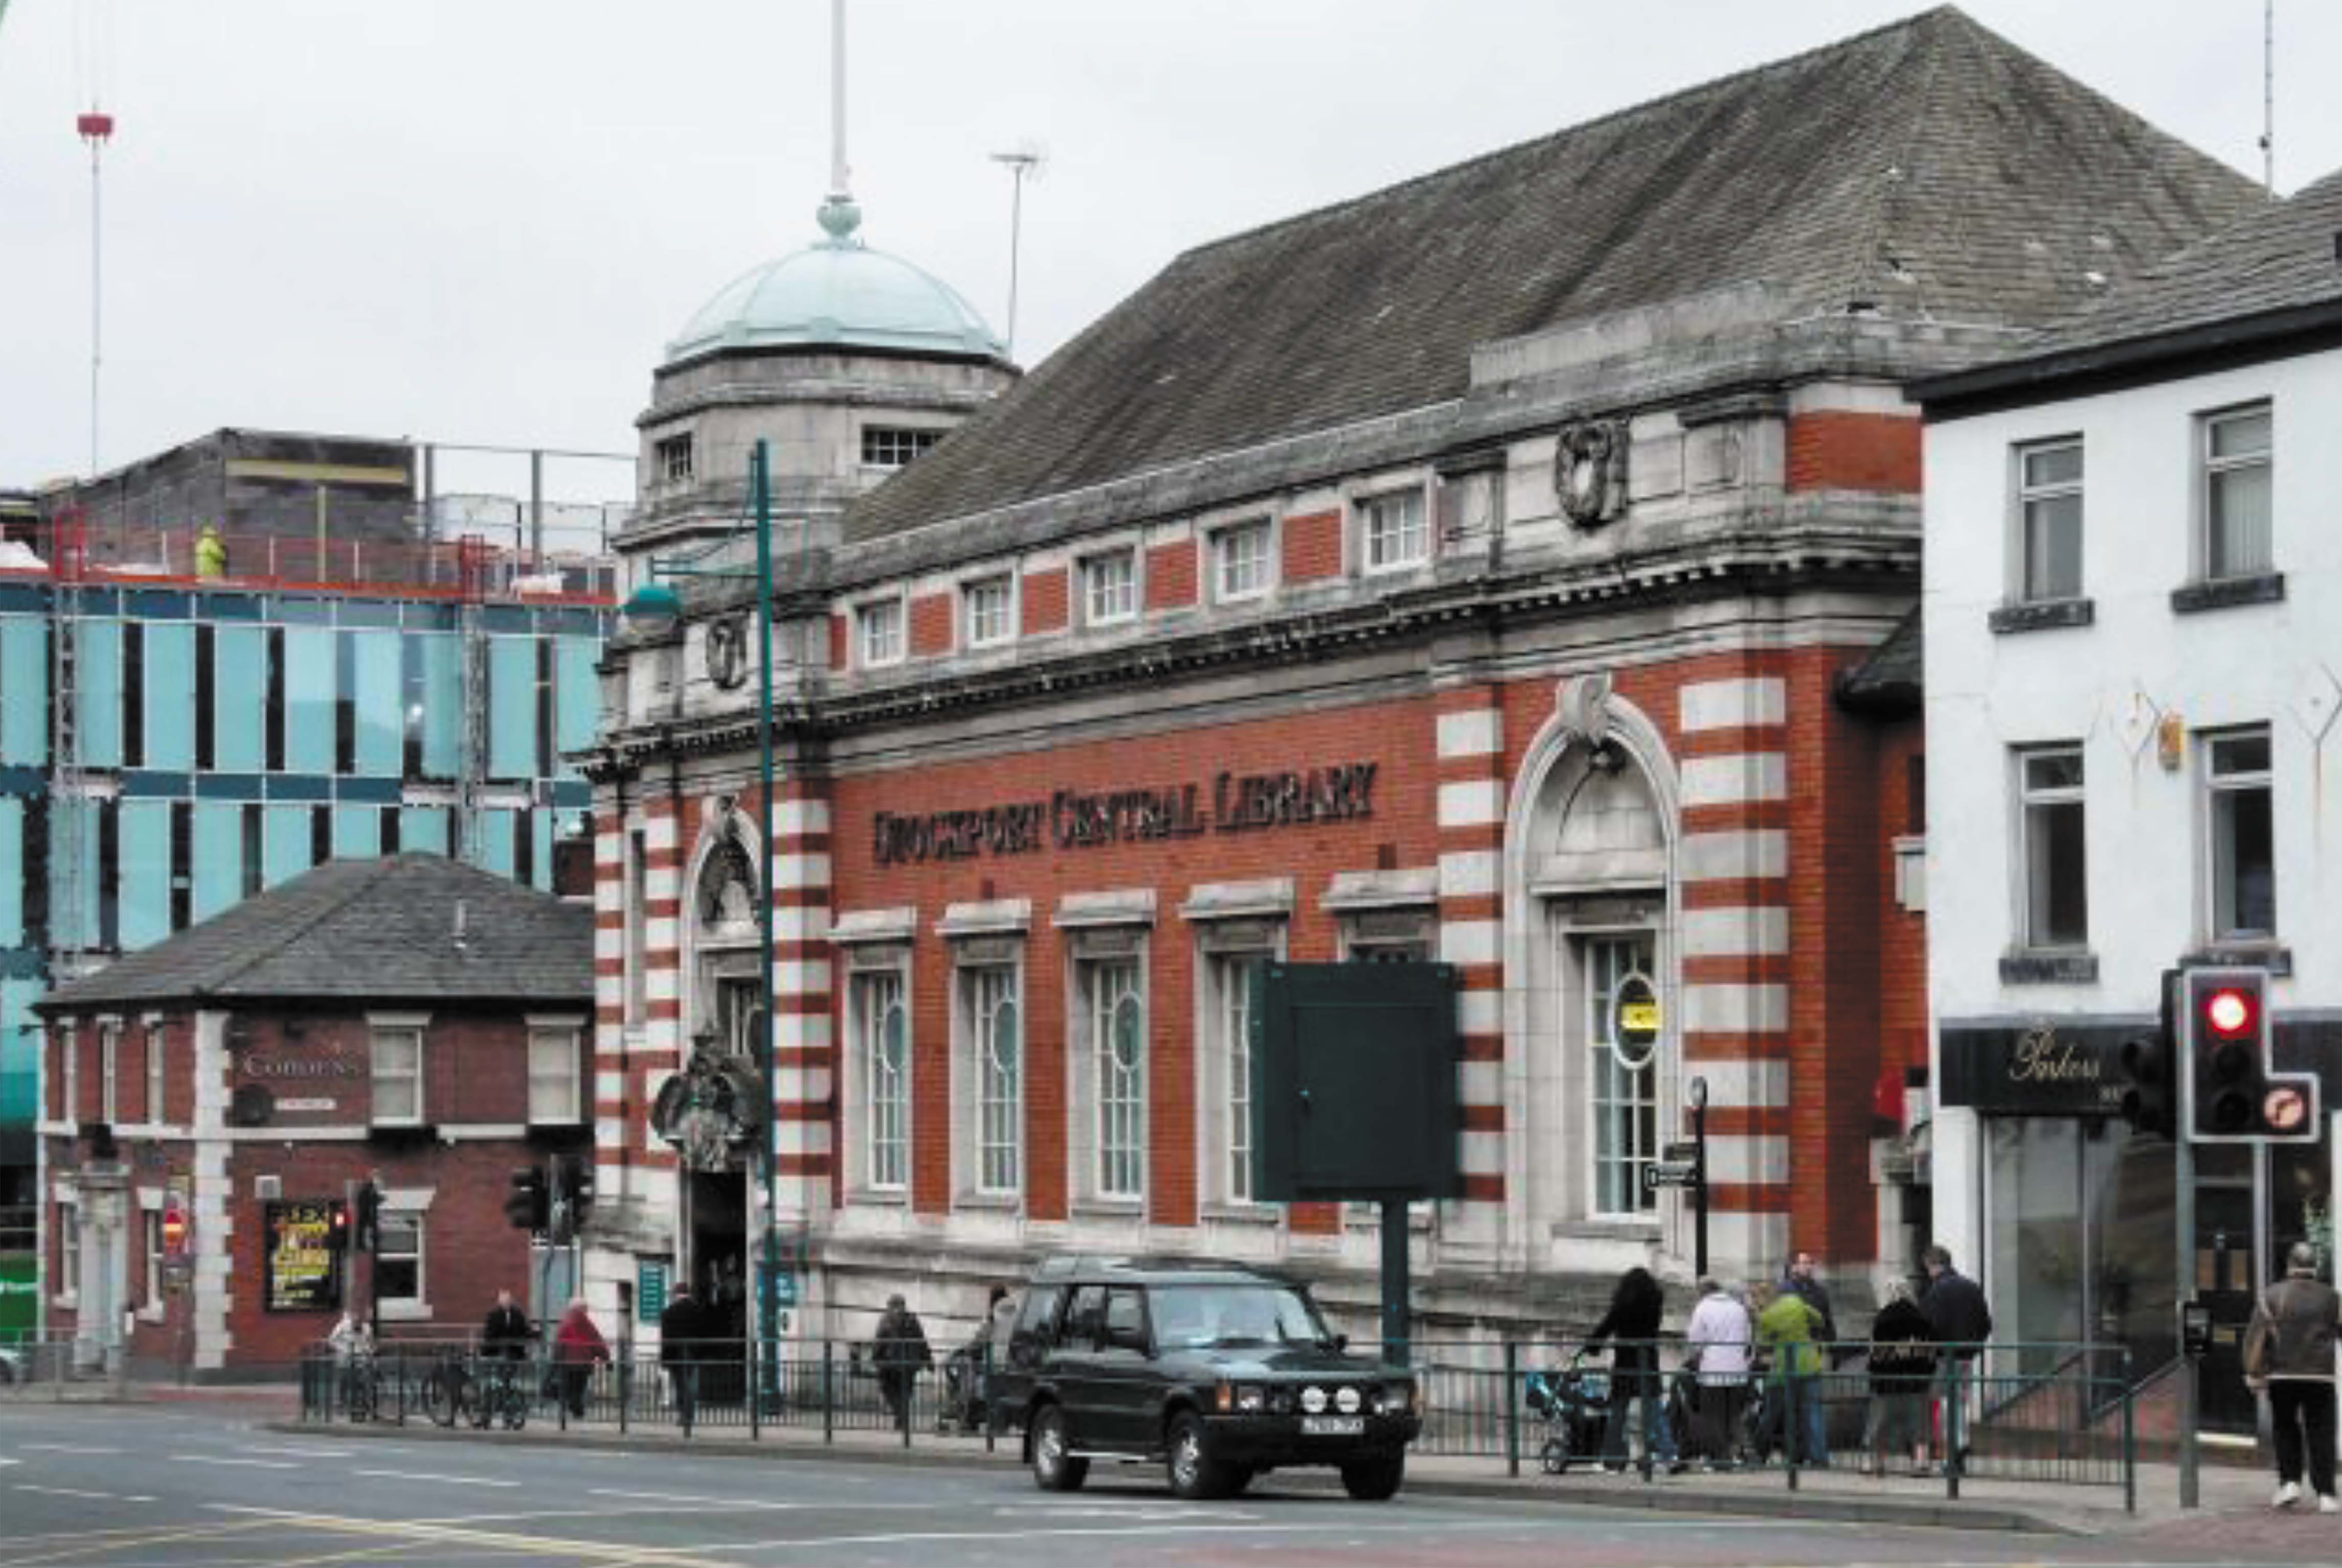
(2191, 1366)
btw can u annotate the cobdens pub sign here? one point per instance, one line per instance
(1076, 819)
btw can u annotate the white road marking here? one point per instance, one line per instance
(64, 1448)
(690, 1498)
(77, 1492)
(299, 1453)
(437, 1480)
(227, 1459)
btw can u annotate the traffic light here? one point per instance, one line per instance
(366, 1232)
(527, 1205)
(337, 1228)
(2150, 1098)
(2233, 1097)
(577, 1186)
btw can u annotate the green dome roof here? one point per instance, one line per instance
(839, 294)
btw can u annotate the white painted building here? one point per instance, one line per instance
(2133, 636)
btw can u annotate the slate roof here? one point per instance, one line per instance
(366, 931)
(1892, 681)
(1928, 169)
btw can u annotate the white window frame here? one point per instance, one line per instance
(2211, 468)
(395, 1218)
(68, 1289)
(69, 1051)
(1223, 1051)
(915, 441)
(880, 633)
(1641, 1100)
(150, 1247)
(109, 1071)
(676, 457)
(1402, 544)
(2047, 797)
(2029, 496)
(561, 1038)
(1238, 574)
(1110, 604)
(883, 1117)
(1114, 1108)
(996, 1119)
(157, 1080)
(2217, 783)
(384, 1028)
(975, 597)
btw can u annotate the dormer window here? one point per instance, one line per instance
(671, 459)
(1395, 530)
(881, 626)
(1110, 587)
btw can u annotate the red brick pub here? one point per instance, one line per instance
(1493, 569)
(212, 1099)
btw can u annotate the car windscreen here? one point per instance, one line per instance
(1199, 1315)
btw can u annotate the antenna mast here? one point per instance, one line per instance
(1026, 160)
(95, 127)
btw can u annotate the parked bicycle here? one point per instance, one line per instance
(457, 1390)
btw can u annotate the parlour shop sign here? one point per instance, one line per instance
(2036, 1068)
(1077, 819)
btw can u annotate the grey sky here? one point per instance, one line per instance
(481, 220)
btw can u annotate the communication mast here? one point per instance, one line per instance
(94, 125)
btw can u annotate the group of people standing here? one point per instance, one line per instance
(1782, 1336)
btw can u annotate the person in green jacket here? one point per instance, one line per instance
(1786, 1329)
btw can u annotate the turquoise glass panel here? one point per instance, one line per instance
(284, 843)
(239, 699)
(12, 871)
(98, 676)
(540, 860)
(357, 832)
(308, 700)
(382, 730)
(145, 873)
(443, 705)
(20, 1052)
(24, 692)
(72, 830)
(577, 696)
(497, 839)
(511, 707)
(423, 829)
(168, 673)
(219, 857)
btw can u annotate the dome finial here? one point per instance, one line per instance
(839, 217)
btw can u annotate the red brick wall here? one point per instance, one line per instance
(1831, 449)
(1312, 546)
(931, 626)
(1045, 602)
(840, 640)
(1171, 576)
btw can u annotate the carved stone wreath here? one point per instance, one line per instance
(727, 651)
(1589, 470)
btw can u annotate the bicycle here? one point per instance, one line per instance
(361, 1389)
(500, 1394)
(448, 1394)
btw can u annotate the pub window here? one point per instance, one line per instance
(553, 1073)
(2242, 859)
(2052, 881)
(397, 1073)
(399, 1262)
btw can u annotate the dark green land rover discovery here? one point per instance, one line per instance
(1217, 1371)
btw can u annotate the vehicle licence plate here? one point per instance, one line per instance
(1333, 1425)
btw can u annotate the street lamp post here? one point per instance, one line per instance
(1695, 1091)
(655, 607)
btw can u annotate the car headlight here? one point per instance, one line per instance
(1281, 1401)
(1395, 1398)
(1346, 1400)
(1251, 1397)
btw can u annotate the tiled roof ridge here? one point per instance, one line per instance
(1933, 17)
(366, 875)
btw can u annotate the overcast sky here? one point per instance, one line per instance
(481, 220)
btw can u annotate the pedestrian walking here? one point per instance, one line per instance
(1902, 1369)
(900, 1351)
(577, 1348)
(1801, 1276)
(1787, 1330)
(683, 1329)
(1957, 1311)
(1720, 1334)
(505, 1334)
(1632, 1327)
(2290, 1353)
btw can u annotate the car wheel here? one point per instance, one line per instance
(1194, 1474)
(1374, 1480)
(1055, 1469)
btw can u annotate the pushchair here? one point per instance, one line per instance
(1574, 1401)
(962, 1408)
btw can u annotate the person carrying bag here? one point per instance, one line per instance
(2288, 1351)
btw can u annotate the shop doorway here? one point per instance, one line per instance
(717, 1259)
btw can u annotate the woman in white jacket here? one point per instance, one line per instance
(1720, 1334)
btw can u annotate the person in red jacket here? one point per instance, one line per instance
(577, 1348)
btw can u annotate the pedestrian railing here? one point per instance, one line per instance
(45, 1366)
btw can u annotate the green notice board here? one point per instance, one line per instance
(650, 1291)
(20, 1297)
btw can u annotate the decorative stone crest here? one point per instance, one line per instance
(1582, 703)
(727, 651)
(709, 1111)
(1589, 470)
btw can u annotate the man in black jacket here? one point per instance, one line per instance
(681, 1327)
(1636, 1305)
(1902, 1366)
(1956, 1310)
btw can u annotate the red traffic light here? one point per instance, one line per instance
(2232, 1011)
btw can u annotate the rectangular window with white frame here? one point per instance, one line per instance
(1110, 587)
(150, 1247)
(2050, 521)
(398, 1264)
(2239, 525)
(397, 1050)
(2241, 826)
(157, 1106)
(880, 626)
(1241, 566)
(1110, 1003)
(69, 1283)
(2053, 872)
(1623, 1074)
(987, 606)
(109, 1071)
(889, 447)
(555, 1072)
(881, 1060)
(1394, 529)
(1233, 973)
(69, 1048)
(992, 1016)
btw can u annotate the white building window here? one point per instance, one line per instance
(1232, 990)
(2243, 860)
(985, 607)
(2049, 520)
(1111, 995)
(1623, 1075)
(882, 1025)
(996, 1040)
(397, 1075)
(150, 1248)
(1110, 587)
(891, 447)
(398, 1265)
(109, 1071)
(69, 1049)
(68, 1284)
(672, 459)
(1240, 560)
(158, 1104)
(554, 1075)
(881, 623)
(2238, 524)
(2053, 873)
(1394, 529)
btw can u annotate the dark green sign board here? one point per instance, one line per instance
(1354, 1083)
(650, 1291)
(20, 1298)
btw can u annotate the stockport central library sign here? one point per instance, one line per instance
(1076, 819)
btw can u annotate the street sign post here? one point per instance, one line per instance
(1670, 1174)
